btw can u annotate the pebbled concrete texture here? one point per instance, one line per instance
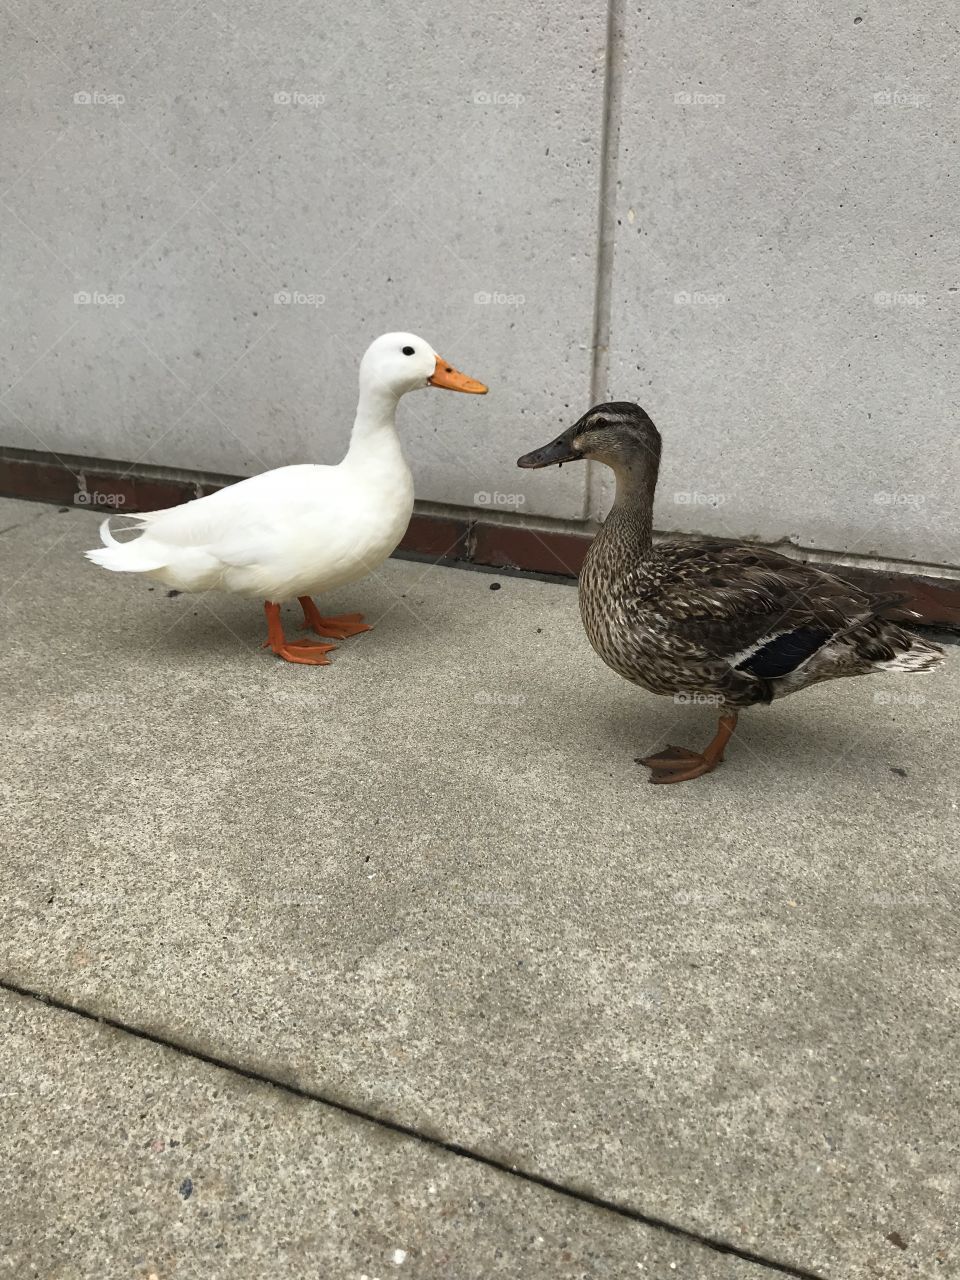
(121, 1158)
(430, 881)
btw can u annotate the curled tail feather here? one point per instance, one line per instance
(106, 537)
(135, 556)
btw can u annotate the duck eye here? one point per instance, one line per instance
(408, 351)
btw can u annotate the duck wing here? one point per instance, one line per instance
(234, 528)
(239, 514)
(759, 612)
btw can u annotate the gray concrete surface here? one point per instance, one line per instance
(121, 1158)
(430, 881)
(780, 167)
(783, 276)
(395, 185)
(775, 174)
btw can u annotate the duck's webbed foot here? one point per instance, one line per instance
(677, 764)
(671, 758)
(339, 627)
(305, 652)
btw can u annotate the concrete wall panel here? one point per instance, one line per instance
(785, 271)
(783, 276)
(422, 161)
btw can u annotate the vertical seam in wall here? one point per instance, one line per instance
(606, 220)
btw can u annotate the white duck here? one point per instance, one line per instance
(303, 529)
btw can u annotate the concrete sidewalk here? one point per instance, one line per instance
(430, 883)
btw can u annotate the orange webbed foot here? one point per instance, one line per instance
(339, 627)
(670, 758)
(306, 653)
(676, 764)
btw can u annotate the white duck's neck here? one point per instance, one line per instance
(374, 435)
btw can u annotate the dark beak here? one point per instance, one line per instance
(557, 452)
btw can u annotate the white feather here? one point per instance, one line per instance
(918, 657)
(106, 537)
(735, 659)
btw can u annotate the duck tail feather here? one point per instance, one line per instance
(138, 555)
(106, 537)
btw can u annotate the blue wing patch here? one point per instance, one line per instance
(783, 654)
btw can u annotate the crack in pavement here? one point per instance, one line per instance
(454, 1148)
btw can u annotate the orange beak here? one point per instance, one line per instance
(444, 375)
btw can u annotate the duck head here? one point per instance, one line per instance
(402, 362)
(621, 435)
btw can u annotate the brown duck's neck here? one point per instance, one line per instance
(630, 519)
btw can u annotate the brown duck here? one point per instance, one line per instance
(707, 620)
